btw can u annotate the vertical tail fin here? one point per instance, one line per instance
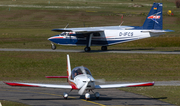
(154, 19)
(68, 66)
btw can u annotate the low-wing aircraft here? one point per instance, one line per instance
(80, 78)
(110, 35)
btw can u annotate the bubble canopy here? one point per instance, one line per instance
(78, 71)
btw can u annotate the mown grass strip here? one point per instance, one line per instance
(112, 67)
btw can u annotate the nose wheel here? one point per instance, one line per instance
(53, 46)
(87, 96)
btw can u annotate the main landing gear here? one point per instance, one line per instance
(87, 95)
(104, 48)
(87, 49)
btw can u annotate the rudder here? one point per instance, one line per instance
(154, 19)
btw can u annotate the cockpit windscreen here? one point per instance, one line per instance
(78, 70)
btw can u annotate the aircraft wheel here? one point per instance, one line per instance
(65, 95)
(87, 96)
(53, 47)
(87, 49)
(104, 48)
(97, 95)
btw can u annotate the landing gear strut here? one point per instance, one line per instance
(88, 41)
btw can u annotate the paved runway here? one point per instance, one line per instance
(108, 51)
(53, 97)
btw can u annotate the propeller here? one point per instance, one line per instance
(81, 91)
(83, 88)
(100, 80)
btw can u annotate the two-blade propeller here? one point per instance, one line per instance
(83, 88)
(81, 91)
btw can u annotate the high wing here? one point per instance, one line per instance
(38, 85)
(92, 29)
(125, 85)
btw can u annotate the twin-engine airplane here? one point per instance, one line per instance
(80, 78)
(110, 35)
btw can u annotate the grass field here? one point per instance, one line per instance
(112, 67)
(9, 103)
(28, 24)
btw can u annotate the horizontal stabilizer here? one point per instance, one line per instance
(158, 31)
(56, 76)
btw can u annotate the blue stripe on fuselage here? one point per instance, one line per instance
(73, 41)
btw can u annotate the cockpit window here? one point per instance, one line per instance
(63, 34)
(77, 71)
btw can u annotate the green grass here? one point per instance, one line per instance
(112, 67)
(168, 94)
(9, 103)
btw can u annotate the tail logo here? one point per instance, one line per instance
(154, 17)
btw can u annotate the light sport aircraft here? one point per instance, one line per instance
(80, 78)
(110, 35)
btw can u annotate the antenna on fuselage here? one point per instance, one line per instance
(121, 20)
(121, 23)
(66, 26)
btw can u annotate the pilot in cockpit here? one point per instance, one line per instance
(77, 71)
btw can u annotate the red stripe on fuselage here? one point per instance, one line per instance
(56, 37)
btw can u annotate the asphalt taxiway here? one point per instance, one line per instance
(53, 97)
(98, 51)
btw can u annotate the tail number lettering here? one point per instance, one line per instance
(126, 34)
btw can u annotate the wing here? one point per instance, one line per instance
(91, 29)
(38, 85)
(125, 85)
(82, 30)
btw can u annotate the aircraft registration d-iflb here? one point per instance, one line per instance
(80, 78)
(110, 35)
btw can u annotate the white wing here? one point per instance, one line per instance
(38, 85)
(92, 29)
(125, 85)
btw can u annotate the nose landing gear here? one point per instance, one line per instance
(53, 46)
